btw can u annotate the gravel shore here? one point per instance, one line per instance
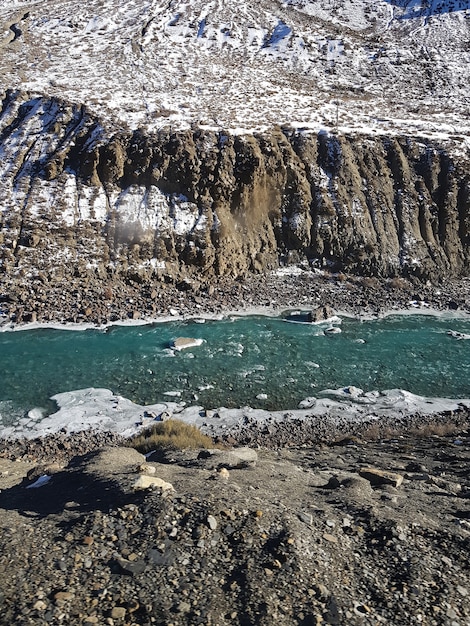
(355, 532)
(101, 303)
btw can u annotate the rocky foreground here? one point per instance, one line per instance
(353, 531)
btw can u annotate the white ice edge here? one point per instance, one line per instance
(261, 311)
(101, 410)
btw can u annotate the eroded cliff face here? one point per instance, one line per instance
(79, 200)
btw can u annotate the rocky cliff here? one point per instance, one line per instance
(79, 200)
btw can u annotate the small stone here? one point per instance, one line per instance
(322, 591)
(63, 596)
(40, 605)
(224, 473)
(423, 477)
(147, 469)
(462, 590)
(131, 567)
(330, 538)
(212, 522)
(88, 541)
(306, 518)
(451, 613)
(118, 612)
(91, 619)
(333, 483)
(381, 477)
(184, 607)
(362, 609)
(133, 606)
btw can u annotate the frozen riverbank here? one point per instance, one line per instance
(259, 362)
(336, 411)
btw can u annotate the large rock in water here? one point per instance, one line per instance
(321, 314)
(181, 343)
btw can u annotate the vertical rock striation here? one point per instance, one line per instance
(78, 199)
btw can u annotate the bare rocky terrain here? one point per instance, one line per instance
(189, 158)
(104, 302)
(145, 145)
(353, 531)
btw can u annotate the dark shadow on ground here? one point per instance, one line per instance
(80, 490)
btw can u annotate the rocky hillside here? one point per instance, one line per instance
(81, 201)
(363, 64)
(150, 142)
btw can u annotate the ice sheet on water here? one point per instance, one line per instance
(100, 409)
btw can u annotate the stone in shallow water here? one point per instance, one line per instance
(181, 343)
(320, 314)
(332, 330)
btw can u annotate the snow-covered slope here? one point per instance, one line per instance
(366, 64)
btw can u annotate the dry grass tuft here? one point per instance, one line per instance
(370, 282)
(437, 429)
(170, 435)
(376, 432)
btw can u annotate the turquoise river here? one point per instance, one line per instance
(263, 362)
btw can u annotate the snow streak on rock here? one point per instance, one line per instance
(171, 139)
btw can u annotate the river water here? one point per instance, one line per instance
(262, 362)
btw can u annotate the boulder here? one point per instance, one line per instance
(381, 477)
(231, 459)
(321, 314)
(181, 343)
(152, 482)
